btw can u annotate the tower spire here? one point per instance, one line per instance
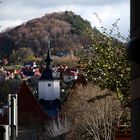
(48, 58)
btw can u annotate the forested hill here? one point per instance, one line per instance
(66, 30)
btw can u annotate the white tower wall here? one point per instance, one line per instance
(49, 90)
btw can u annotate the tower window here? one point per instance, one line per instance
(49, 85)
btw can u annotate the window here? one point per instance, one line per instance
(49, 85)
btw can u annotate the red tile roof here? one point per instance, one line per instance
(28, 107)
(29, 110)
(70, 74)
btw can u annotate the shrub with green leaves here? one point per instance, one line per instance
(108, 67)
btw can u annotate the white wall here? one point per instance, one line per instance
(69, 78)
(49, 92)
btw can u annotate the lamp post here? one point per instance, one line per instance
(13, 116)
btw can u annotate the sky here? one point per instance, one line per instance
(16, 12)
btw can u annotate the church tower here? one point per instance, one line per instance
(49, 84)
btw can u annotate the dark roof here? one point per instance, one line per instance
(29, 107)
(29, 63)
(48, 59)
(29, 110)
(28, 73)
(47, 74)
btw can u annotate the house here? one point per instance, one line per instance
(29, 108)
(30, 111)
(5, 61)
(62, 53)
(30, 69)
(74, 69)
(37, 73)
(30, 65)
(9, 73)
(31, 117)
(69, 76)
(17, 74)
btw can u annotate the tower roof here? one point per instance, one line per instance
(48, 58)
(48, 73)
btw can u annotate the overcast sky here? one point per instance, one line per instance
(15, 12)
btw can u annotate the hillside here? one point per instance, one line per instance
(67, 31)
